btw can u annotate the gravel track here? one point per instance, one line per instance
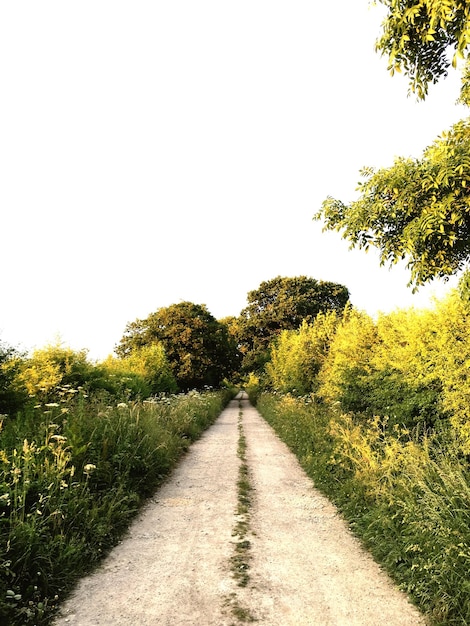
(175, 565)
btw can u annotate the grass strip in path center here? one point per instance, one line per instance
(240, 561)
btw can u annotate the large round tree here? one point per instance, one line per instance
(283, 304)
(198, 347)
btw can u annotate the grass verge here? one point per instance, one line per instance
(70, 487)
(406, 495)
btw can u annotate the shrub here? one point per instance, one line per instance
(298, 355)
(144, 372)
(348, 363)
(57, 366)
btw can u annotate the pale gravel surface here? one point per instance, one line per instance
(173, 568)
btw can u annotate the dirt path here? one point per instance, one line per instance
(176, 566)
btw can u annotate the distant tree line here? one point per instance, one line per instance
(176, 348)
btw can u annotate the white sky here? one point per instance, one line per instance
(159, 151)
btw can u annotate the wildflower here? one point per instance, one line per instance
(58, 438)
(122, 405)
(89, 469)
(51, 404)
(4, 458)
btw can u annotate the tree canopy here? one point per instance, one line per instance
(424, 37)
(283, 304)
(418, 209)
(199, 349)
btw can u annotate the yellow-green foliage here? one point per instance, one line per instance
(52, 366)
(431, 351)
(297, 355)
(452, 338)
(412, 510)
(13, 394)
(410, 366)
(407, 497)
(405, 384)
(147, 363)
(253, 387)
(373, 456)
(406, 343)
(348, 359)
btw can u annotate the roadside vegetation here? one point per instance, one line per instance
(377, 413)
(375, 409)
(385, 426)
(80, 450)
(82, 444)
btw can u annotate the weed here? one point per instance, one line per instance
(240, 613)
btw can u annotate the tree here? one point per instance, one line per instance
(283, 304)
(418, 209)
(298, 355)
(452, 362)
(197, 346)
(232, 324)
(347, 364)
(417, 36)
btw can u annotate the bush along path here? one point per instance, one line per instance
(238, 534)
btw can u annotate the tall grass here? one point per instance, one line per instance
(72, 475)
(405, 494)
